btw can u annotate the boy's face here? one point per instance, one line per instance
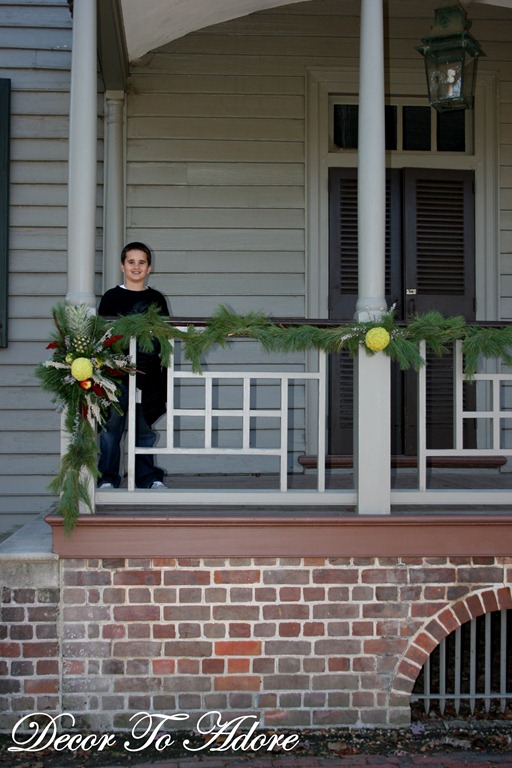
(135, 267)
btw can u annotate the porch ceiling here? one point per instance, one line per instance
(149, 25)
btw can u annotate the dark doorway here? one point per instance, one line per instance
(430, 264)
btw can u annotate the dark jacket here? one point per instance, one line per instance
(151, 377)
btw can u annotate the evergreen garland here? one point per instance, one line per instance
(90, 354)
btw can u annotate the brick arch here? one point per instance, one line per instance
(440, 626)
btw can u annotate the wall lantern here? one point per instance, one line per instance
(451, 55)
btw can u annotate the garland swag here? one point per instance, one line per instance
(89, 357)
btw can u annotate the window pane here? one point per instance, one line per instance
(451, 131)
(346, 124)
(390, 118)
(416, 129)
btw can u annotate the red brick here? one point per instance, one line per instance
(363, 664)
(165, 595)
(164, 631)
(382, 575)
(385, 610)
(138, 578)
(188, 648)
(41, 685)
(290, 594)
(40, 650)
(286, 576)
(237, 683)
(314, 629)
(504, 596)
(426, 643)
(188, 578)
(238, 647)
(12, 650)
(448, 620)
(490, 601)
(406, 669)
(384, 645)
(212, 666)
(460, 609)
(239, 666)
(239, 629)
(241, 595)
(313, 594)
(336, 576)
(188, 629)
(283, 612)
(139, 595)
(74, 667)
(417, 654)
(136, 613)
(338, 664)
(479, 574)
(237, 577)
(474, 605)
(139, 631)
(188, 666)
(47, 667)
(110, 631)
(289, 629)
(433, 575)
(424, 609)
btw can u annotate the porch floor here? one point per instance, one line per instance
(437, 478)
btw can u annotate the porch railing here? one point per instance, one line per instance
(247, 379)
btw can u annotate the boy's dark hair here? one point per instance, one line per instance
(135, 247)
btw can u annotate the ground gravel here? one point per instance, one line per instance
(420, 739)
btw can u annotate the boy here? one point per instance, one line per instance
(134, 296)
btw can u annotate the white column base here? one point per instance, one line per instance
(372, 433)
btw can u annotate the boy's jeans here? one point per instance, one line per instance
(110, 451)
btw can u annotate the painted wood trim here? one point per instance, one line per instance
(5, 118)
(293, 535)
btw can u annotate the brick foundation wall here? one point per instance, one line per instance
(308, 642)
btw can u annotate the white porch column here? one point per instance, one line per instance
(372, 418)
(82, 155)
(113, 225)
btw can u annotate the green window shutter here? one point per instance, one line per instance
(5, 110)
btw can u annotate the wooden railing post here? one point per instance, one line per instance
(372, 433)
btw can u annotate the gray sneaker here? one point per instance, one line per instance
(157, 484)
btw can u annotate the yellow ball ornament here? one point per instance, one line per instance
(81, 368)
(377, 339)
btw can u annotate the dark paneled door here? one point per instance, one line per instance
(430, 257)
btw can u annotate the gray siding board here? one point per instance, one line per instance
(36, 55)
(18, 397)
(32, 441)
(215, 218)
(194, 306)
(212, 129)
(40, 172)
(167, 150)
(205, 105)
(241, 262)
(216, 174)
(170, 197)
(210, 83)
